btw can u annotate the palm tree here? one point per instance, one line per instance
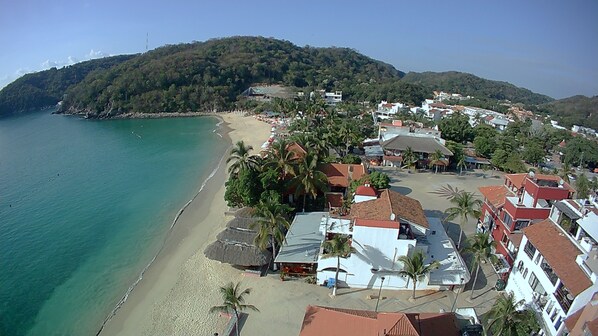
(340, 247)
(461, 164)
(415, 269)
(281, 159)
(409, 158)
(435, 159)
(480, 247)
(271, 225)
(466, 206)
(505, 319)
(234, 302)
(565, 171)
(241, 158)
(309, 179)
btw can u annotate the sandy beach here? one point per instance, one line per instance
(179, 288)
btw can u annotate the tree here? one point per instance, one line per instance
(241, 159)
(415, 269)
(461, 164)
(499, 158)
(514, 164)
(456, 128)
(351, 159)
(338, 247)
(272, 224)
(484, 146)
(409, 158)
(379, 180)
(234, 302)
(506, 319)
(457, 149)
(480, 247)
(244, 189)
(309, 179)
(466, 206)
(534, 153)
(582, 185)
(281, 159)
(435, 159)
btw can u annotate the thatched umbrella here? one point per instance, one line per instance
(239, 236)
(245, 212)
(237, 254)
(241, 222)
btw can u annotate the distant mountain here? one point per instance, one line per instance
(576, 110)
(46, 88)
(470, 85)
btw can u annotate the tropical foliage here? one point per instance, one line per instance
(415, 269)
(272, 224)
(338, 247)
(480, 247)
(510, 318)
(233, 302)
(379, 180)
(466, 206)
(309, 180)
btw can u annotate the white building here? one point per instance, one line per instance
(387, 110)
(556, 268)
(384, 228)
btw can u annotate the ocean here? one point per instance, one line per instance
(84, 208)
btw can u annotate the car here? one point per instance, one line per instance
(472, 330)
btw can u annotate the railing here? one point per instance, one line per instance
(549, 272)
(561, 297)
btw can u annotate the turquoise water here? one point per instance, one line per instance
(84, 207)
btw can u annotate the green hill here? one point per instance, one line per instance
(46, 88)
(576, 110)
(470, 85)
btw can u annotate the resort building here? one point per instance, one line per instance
(556, 267)
(423, 146)
(348, 322)
(521, 201)
(387, 110)
(383, 228)
(267, 92)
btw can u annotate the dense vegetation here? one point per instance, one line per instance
(576, 110)
(46, 88)
(470, 85)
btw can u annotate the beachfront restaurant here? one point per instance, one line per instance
(298, 256)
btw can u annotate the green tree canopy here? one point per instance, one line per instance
(379, 180)
(456, 128)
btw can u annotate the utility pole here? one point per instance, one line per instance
(379, 292)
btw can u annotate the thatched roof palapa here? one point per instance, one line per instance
(237, 236)
(237, 254)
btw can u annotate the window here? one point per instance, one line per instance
(538, 258)
(530, 250)
(549, 307)
(506, 218)
(554, 314)
(535, 284)
(520, 224)
(525, 273)
(504, 239)
(520, 266)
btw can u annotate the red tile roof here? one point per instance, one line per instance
(334, 200)
(571, 321)
(340, 174)
(390, 203)
(496, 195)
(560, 253)
(348, 322)
(519, 179)
(365, 191)
(297, 149)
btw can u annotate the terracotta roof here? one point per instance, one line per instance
(335, 200)
(560, 253)
(592, 326)
(393, 158)
(496, 195)
(519, 179)
(338, 173)
(515, 238)
(390, 202)
(348, 322)
(297, 149)
(365, 191)
(571, 321)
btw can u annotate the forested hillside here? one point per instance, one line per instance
(470, 85)
(46, 88)
(576, 110)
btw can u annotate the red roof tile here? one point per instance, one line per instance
(334, 200)
(560, 253)
(340, 174)
(390, 203)
(496, 195)
(348, 322)
(365, 191)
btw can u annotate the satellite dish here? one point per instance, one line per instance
(392, 216)
(531, 174)
(561, 182)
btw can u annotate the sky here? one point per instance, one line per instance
(549, 47)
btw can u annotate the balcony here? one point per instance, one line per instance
(564, 298)
(549, 272)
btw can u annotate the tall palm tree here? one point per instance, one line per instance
(338, 247)
(241, 158)
(234, 302)
(480, 247)
(409, 158)
(461, 164)
(415, 269)
(466, 206)
(435, 159)
(271, 225)
(507, 319)
(309, 179)
(281, 159)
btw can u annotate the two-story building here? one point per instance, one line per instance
(523, 200)
(556, 267)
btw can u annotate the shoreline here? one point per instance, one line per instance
(143, 115)
(194, 227)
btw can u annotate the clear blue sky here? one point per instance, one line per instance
(550, 47)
